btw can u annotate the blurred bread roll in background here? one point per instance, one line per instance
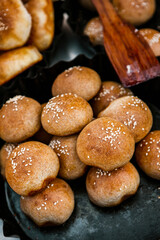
(15, 24)
(152, 36)
(42, 31)
(16, 61)
(135, 12)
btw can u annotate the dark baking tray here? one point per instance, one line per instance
(137, 217)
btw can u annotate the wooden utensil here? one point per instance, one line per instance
(130, 54)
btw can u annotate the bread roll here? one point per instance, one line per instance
(105, 143)
(148, 154)
(16, 61)
(52, 206)
(5, 153)
(83, 81)
(15, 24)
(19, 119)
(70, 165)
(66, 114)
(132, 112)
(109, 91)
(42, 31)
(108, 189)
(30, 167)
(94, 30)
(153, 38)
(135, 12)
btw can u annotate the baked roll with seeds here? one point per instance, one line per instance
(148, 154)
(66, 114)
(20, 118)
(5, 153)
(31, 166)
(152, 36)
(109, 91)
(15, 24)
(108, 189)
(83, 81)
(105, 143)
(52, 206)
(70, 165)
(42, 31)
(133, 113)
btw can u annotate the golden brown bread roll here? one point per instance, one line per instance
(83, 81)
(132, 112)
(5, 153)
(15, 24)
(105, 143)
(108, 189)
(19, 119)
(70, 165)
(135, 12)
(148, 154)
(16, 61)
(30, 167)
(94, 30)
(52, 206)
(109, 91)
(42, 31)
(153, 38)
(66, 114)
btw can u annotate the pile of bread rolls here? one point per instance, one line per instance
(61, 138)
(25, 30)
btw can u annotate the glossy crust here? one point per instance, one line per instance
(94, 30)
(5, 153)
(105, 143)
(109, 91)
(16, 61)
(153, 38)
(42, 31)
(15, 24)
(83, 81)
(108, 189)
(70, 165)
(30, 167)
(66, 114)
(148, 154)
(135, 12)
(52, 206)
(132, 112)
(19, 118)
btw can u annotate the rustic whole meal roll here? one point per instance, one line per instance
(148, 154)
(15, 24)
(5, 153)
(109, 91)
(108, 189)
(30, 167)
(19, 119)
(105, 143)
(133, 113)
(66, 114)
(70, 165)
(83, 81)
(52, 206)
